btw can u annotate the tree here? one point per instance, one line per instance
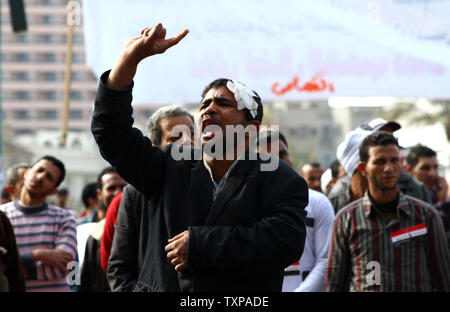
(437, 111)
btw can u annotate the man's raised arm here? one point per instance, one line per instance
(123, 146)
(151, 41)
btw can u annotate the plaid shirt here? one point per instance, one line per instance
(411, 249)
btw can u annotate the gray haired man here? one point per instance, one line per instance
(162, 122)
(130, 232)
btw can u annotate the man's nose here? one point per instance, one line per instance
(433, 172)
(187, 139)
(40, 176)
(389, 167)
(211, 109)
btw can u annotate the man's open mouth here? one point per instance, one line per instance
(209, 128)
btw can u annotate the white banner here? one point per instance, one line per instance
(281, 49)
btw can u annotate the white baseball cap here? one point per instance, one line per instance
(348, 150)
(378, 123)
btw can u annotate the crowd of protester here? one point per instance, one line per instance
(375, 219)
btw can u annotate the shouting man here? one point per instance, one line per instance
(217, 222)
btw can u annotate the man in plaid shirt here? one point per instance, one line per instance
(387, 241)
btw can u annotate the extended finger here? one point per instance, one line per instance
(144, 30)
(173, 41)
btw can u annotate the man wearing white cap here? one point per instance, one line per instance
(352, 186)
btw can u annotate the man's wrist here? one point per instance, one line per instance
(122, 74)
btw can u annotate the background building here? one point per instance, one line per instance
(33, 66)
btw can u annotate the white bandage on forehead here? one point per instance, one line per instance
(244, 96)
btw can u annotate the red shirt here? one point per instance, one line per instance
(108, 232)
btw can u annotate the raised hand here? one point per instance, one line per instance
(151, 41)
(441, 189)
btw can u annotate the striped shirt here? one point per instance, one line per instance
(409, 253)
(42, 227)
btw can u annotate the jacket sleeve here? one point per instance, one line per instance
(315, 280)
(438, 252)
(122, 271)
(275, 241)
(125, 147)
(12, 261)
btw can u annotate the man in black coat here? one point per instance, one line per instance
(220, 220)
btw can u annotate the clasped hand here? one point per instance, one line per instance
(177, 250)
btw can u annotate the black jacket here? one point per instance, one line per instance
(11, 270)
(129, 241)
(241, 241)
(92, 277)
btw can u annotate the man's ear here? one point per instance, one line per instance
(361, 167)
(254, 123)
(27, 171)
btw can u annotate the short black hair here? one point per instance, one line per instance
(418, 151)
(105, 170)
(377, 138)
(268, 136)
(89, 191)
(12, 174)
(5, 195)
(283, 139)
(62, 192)
(248, 116)
(58, 164)
(313, 164)
(334, 166)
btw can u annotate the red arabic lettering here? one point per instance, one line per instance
(316, 84)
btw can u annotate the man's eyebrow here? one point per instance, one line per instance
(217, 99)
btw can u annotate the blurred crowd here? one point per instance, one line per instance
(108, 239)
